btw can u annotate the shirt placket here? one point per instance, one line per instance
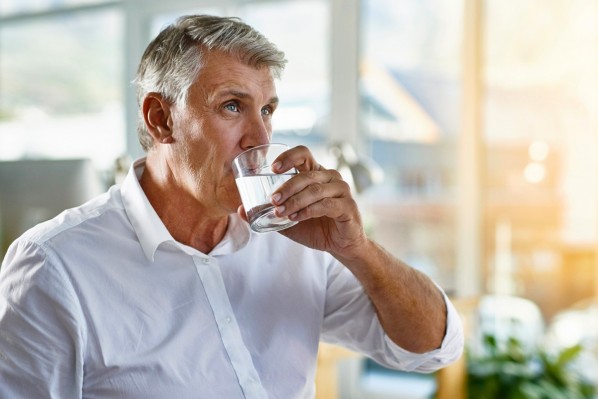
(240, 358)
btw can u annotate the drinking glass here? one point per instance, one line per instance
(256, 182)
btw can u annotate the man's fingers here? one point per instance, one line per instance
(338, 209)
(311, 194)
(299, 158)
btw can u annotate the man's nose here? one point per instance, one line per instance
(258, 132)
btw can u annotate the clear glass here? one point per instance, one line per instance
(541, 139)
(410, 91)
(257, 181)
(62, 90)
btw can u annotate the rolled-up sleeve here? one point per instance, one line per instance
(350, 321)
(450, 350)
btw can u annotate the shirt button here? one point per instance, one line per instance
(205, 261)
(228, 319)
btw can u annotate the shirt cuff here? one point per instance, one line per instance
(450, 350)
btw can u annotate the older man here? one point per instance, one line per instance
(159, 289)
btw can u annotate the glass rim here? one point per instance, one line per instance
(258, 147)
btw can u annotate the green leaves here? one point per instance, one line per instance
(509, 371)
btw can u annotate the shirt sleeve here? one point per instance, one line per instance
(350, 321)
(40, 350)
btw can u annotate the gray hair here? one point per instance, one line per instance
(172, 61)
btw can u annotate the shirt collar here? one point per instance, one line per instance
(150, 230)
(237, 236)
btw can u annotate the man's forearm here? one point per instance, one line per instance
(410, 306)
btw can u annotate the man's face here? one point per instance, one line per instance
(229, 109)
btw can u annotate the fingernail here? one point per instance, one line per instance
(276, 197)
(280, 209)
(276, 165)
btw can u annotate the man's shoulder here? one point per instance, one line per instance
(99, 212)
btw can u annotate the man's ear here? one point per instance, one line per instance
(156, 113)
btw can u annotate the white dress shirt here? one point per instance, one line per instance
(102, 302)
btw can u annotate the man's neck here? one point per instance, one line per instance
(185, 218)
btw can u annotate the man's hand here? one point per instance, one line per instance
(321, 200)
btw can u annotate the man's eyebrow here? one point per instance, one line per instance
(242, 95)
(236, 93)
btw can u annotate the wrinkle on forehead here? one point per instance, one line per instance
(223, 74)
(211, 96)
(230, 91)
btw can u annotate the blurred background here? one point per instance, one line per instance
(469, 129)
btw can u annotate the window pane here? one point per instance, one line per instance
(410, 92)
(542, 142)
(62, 88)
(161, 21)
(10, 7)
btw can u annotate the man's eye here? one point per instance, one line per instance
(232, 107)
(266, 111)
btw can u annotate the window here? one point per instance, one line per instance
(410, 90)
(61, 80)
(541, 140)
(17, 7)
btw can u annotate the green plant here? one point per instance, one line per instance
(509, 371)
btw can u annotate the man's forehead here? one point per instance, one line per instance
(223, 73)
(243, 86)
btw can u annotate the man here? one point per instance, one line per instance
(159, 289)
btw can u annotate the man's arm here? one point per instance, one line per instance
(40, 351)
(411, 309)
(409, 305)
